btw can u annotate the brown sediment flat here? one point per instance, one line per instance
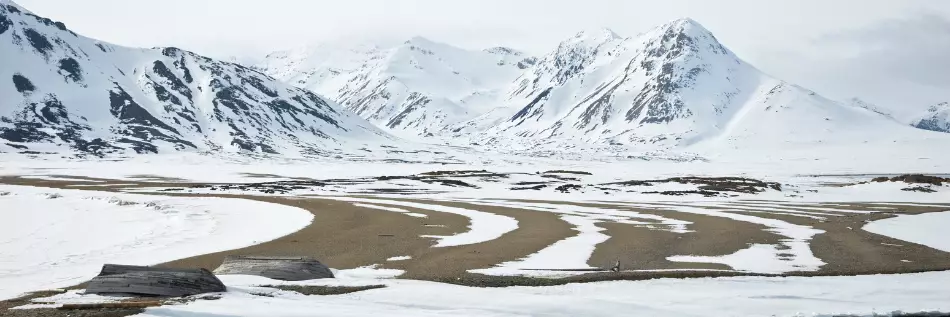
(88, 183)
(848, 250)
(536, 231)
(343, 235)
(641, 248)
(902, 208)
(158, 178)
(347, 236)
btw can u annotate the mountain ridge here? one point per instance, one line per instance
(416, 87)
(67, 91)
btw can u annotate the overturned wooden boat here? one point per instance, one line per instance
(152, 281)
(285, 268)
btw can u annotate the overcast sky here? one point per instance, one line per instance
(890, 52)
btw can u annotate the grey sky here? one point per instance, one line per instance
(888, 52)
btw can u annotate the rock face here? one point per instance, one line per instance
(274, 267)
(937, 118)
(150, 281)
(60, 91)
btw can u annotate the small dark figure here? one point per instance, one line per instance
(616, 267)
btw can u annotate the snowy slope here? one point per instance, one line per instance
(128, 229)
(937, 118)
(414, 88)
(66, 92)
(672, 87)
(856, 102)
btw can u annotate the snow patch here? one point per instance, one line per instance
(51, 243)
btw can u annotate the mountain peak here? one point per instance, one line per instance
(418, 40)
(501, 50)
(683, 33)
(686, 26)
(601, 34)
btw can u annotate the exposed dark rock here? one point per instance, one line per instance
(22, 84)
(932, 124)
(124, 108)
(140, 124)
(455, 173)
(705, 193)
(39, 42)
(72, 69)
(53, 111)
(526, 111)
(48, 22)
(43, 122)
(416, 102)
(535, 187)
(566, 188)
(25, 132)
(561, 178)
(921, 189)
(527, 62)
(5, 23)
(449, 182)
(176, 84)
(530, 183)
(567, 172)
(718, 184)
(165, 96)
(633, 183)
(259, 85)
(97, 146)
(914, 179)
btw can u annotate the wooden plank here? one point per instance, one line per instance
(287, 268)
(149, 281)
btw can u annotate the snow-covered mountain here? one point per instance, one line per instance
(673, 86)
(69, 92)
(414, 88)
(937, 118)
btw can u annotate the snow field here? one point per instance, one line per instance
(51, 238)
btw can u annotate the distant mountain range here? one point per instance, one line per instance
(417, 87)
(673, 87)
